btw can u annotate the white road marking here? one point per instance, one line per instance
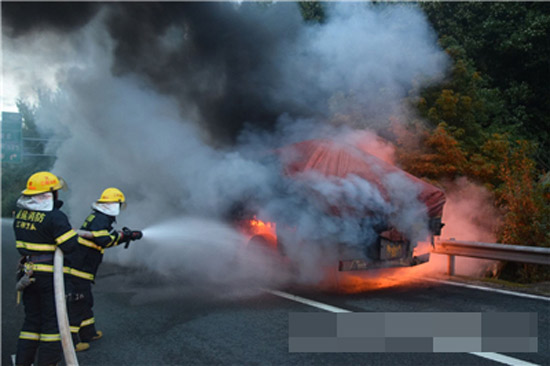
(13, 360)
(303, 300)
(503, 359)
(319, 305)
(506, 292)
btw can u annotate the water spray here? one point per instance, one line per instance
(193, 232)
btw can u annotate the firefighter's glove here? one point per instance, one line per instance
(25, 281)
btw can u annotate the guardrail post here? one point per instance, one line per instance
(451, 265)
(61, 309)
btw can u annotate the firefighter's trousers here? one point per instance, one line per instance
(81, 315)
(39, 335)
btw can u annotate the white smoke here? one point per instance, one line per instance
(120, 132)
(364, 58)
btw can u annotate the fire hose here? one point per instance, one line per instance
(61, 309)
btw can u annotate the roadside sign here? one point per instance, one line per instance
(12, 144)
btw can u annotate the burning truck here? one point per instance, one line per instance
(383, 245)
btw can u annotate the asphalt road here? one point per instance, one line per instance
(147, 322)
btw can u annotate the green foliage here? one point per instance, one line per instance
(312, 11)
(508, 44)
(464, 101)
(14, 175)
(523, 197)
(439, 157)
(490, 119)
(526, 203)
(505, 166)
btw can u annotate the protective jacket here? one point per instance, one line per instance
(104, 236)
(37, 235)
(41, 232)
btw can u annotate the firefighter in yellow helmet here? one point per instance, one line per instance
(40, 227)
(97, 234)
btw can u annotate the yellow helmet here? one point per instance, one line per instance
(42, 182)
(112, 195)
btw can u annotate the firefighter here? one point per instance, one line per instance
(40, 227)
(97, 234)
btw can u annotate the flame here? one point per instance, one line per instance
(259, 227)
(364, 281)
(260, 233)
(255, 226)
(370, 280)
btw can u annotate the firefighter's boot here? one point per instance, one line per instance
(98, 334)
(81, 346)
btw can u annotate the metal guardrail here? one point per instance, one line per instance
(494, 251)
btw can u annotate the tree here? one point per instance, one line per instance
(464, 101)
(527, 209)
(508, 44)
(312, 11)
(439, 156)
(14, 175)
(521, 193)
(490, 119)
